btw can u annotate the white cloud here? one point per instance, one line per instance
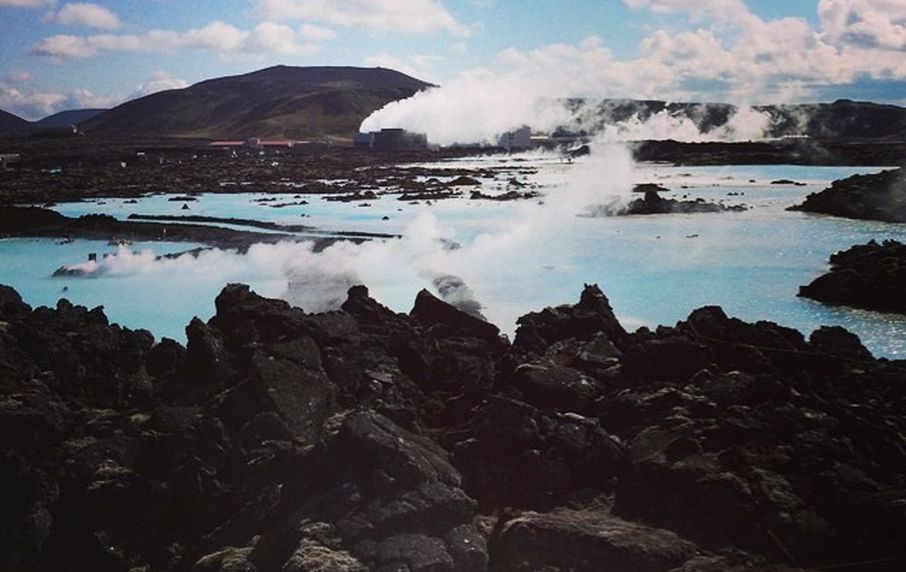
(87, 14)
(19, 77)
(34, 104)
(27, 3)
(385, 60)
(752, 58)
(726, 9)
(400, 16)
(865, 23)
(220, 37)
(416, 65)
(159, 81)
(731, 55)
(269, 37)
(18, 96)
(28, 104)
(64, 46)
(216, 36)
(316, 33)
(426, 61)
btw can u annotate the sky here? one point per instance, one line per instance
(57, 55)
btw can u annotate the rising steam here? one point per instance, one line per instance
(474, 108)
(535, 237)
(477, 108)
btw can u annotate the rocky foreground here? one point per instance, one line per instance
(365, 439)
(40, 222)
(868, 275)
(869, 197)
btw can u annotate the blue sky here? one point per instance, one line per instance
(59, 55)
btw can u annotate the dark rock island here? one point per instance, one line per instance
(871, 197)
(365, 439)
(654, 203)
(868, 275)
(39, 222)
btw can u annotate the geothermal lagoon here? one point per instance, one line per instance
(511, 257)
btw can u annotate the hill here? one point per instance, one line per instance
(13, 125)
(67, 118)
(277, 102)
(842, 119)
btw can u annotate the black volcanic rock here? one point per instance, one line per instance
(41, 222)
(364, 439)
(431, 311)
(566, 539)
(871, 197)
(591, 317)
(276, 102)
(851, 119)
(842, 119)
(868, 275)
(653, 203)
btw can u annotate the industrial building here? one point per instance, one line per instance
(391, 139)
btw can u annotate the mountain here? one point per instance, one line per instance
(67, 118)
(842, 119)
(13, 125)
(850, 119)
(277, 102)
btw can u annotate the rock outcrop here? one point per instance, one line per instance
(654, 203)
(870, 197)
(868, 275)
(365, 439)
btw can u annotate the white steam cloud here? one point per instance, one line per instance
(479, 107)
(474, 108)
(534, 237)
(746, 124)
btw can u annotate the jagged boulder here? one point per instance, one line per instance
(880, 196)
(432, 312)
(868, 275)
(511, 453)
(591, 317)
(366, 439)
(586, 540)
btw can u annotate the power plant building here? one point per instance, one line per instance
(391, 139)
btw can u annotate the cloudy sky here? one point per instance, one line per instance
(58, 55)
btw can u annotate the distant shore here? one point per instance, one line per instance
(86, 167)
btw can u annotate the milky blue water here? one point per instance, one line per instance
(515, 257)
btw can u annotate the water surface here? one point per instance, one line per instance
(516, 257)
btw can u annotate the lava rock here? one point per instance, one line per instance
(869, 276)
(880, 196)
(586, 541)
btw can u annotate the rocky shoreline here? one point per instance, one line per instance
(879, 197)
(40, 222)
(100, 169)
(871, 276)
(794, 151)
(365, 439)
